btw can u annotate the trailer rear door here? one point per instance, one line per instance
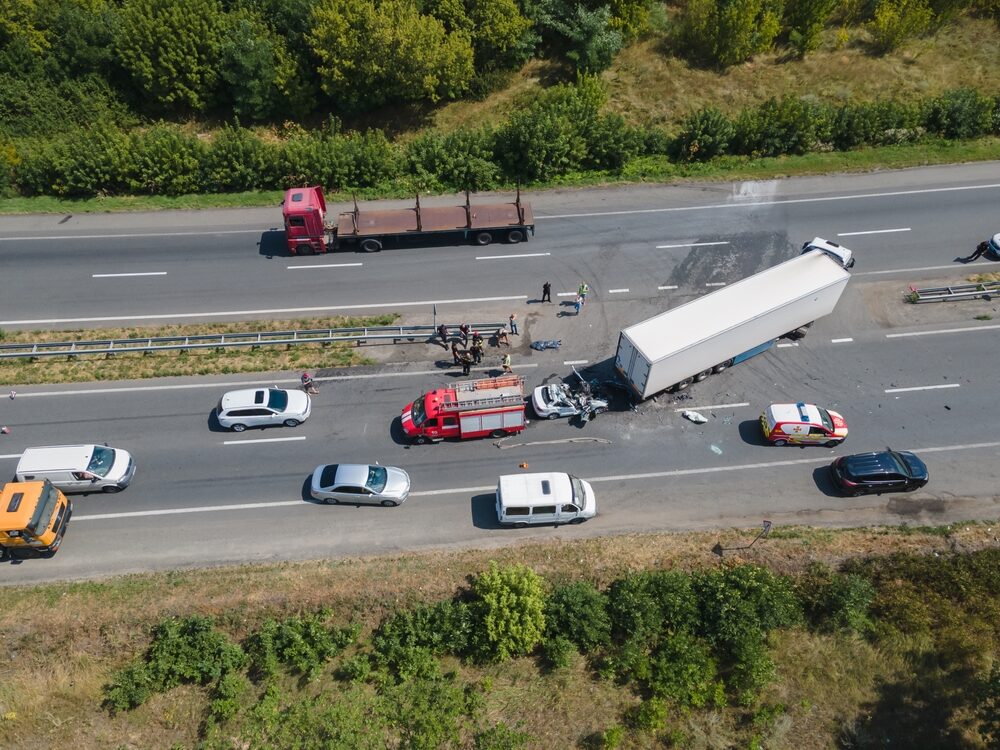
(633, 367)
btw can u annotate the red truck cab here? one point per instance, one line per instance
(304, 212)
(471, 409)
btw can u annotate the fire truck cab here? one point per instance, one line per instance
(33, 515)
(471, 409)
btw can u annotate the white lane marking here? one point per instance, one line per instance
(576, 362)
(566, 294)
(120, 275)
(11, 455)
(519, 255)
(274, 311)
(943, 330)
(873, 231)
(661, 288)
(713, 406)
(237, 383)
(491, 487)
(263, 440)
(902, 270)
(782, 346)
(716, 283)
(617, 291)
(125, 236)
(923, 388)
(779, 202)
(841, 341)
(691, 244)
(325, 265)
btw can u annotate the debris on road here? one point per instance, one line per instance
(694, 416)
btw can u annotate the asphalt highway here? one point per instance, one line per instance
(203, 496)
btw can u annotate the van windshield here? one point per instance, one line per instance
(102, 461)
(418, 413)
(579, 494)
(48, 499)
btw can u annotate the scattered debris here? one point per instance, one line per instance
(694, 416)
(550, 344)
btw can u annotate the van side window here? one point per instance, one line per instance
(546, 488)
(570, 509)
(81, 475)
(545, 510)
(518, 511)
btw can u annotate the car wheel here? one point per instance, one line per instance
(912, 488)
(832, 443)
(421, 440)
(577, 521)
(520, 525)
(291, 423)
(389, 504)
(553, 415)
(238, 428)
(779, 443)
(331, 501)
(498, 434)
(112, 489)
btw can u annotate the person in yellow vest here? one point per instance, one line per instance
(506, 363)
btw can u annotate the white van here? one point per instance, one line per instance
(78, 468)
(553, 497)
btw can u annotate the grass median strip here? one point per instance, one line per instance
(137, 365)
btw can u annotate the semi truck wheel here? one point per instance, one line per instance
(702, 375)
(498, 434)
(722, 366)
(371, 245)
(484, 238)
(514, 236)
(304, 250)
(681, 385)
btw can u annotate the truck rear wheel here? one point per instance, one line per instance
(498, 434)
(304, 249)
(722, 366)
(371, 245)
(484, 238)
(514, 236)
(421, 440)
(681, 385)
(702, 375)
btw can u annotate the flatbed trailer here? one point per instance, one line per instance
(309, 228)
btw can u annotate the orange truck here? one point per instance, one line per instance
(33, 516)
(310, 228)
(471, 409)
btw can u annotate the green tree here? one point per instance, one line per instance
(806, 20)
(169, 49)
(727, 32)
(426, 711)
(509, 611)
(252, 62)
(895, 21)
(577, 611)
(582, 35)
(502, 36)
(374, 53)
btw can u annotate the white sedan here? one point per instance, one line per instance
(360, 483)
(263, 407)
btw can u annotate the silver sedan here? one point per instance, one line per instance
(360, 484)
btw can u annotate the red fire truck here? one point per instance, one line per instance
(471, 409)
(310, 229)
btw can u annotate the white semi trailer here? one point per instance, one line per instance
(712, 333)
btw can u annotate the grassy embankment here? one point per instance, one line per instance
(908, 679)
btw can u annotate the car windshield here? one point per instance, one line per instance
(898, 465)
(579, 494)
(418, 413)
(277, 400)
(825, 417)
(102, 461)
(377, 478)
(914, 466)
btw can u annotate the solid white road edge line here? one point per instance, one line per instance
(943, 330)
(873, 231)
(491, 487)
(923, 388)
(228, 313)
(263, 440)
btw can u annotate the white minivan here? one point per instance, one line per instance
(546, 498)
(78, 468)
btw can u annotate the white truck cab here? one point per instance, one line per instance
(838, 252)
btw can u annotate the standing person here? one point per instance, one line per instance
(506, 363)
(443, 333)
(477, 351)
(466, 363)
(577, 303)
(477, 338)
(546, 292)
(464, 330)
(513, 324)
(582, 292)
(454, 350)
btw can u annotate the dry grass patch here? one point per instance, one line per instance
(133, 366)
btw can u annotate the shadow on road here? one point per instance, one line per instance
(272, 244)
(821, 476)
(484, 511)
(750, 433)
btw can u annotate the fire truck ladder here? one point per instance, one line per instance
(984, 290)
(481, 394)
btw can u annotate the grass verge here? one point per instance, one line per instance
(133, 366)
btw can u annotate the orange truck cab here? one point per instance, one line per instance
(471, 409)
(33, 515)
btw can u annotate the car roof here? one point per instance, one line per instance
(799, 412)
(526, 489)
(244, 398)
(880, 462)
(70, 457)
(353, 474)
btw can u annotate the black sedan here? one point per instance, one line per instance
(875, 473)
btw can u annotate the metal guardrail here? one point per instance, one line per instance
(226, 340)
(958, 292)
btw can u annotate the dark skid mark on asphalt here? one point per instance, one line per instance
(744, 256)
